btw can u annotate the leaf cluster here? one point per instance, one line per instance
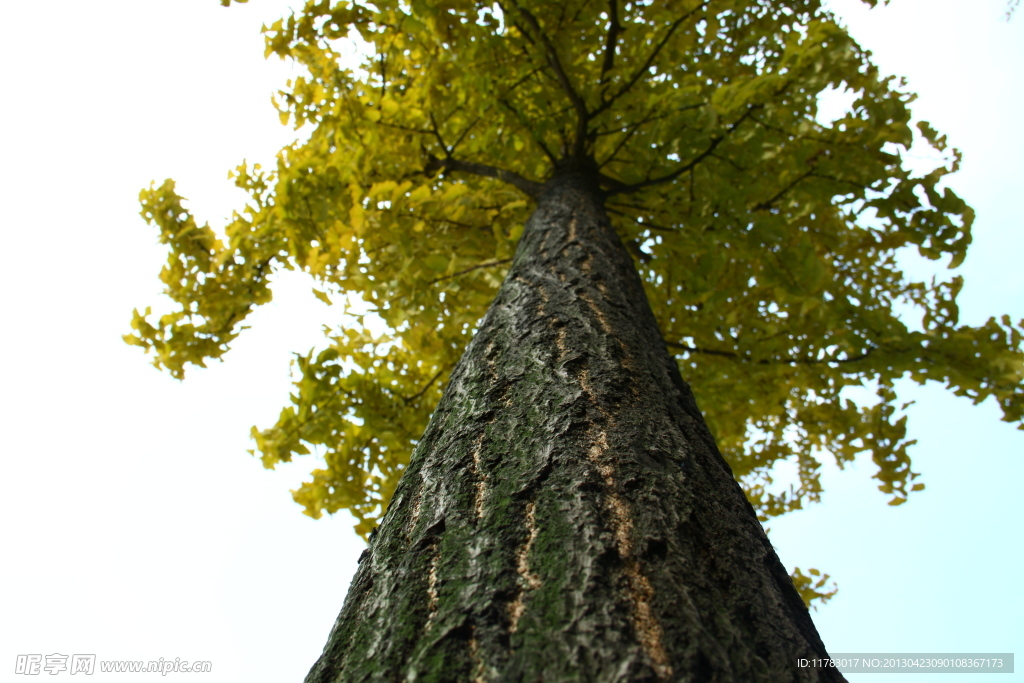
(768, 240)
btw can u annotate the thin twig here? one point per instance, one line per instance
(410, 399)
(621, 188)
(437, 134)
(582, 115)
(645, 224)
(788, 361)
(650, 60)
(608, 63)
(470, 269)
(767, 204)
(531, 129)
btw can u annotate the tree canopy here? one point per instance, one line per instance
(769, 240)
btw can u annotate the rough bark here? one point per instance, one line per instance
(567, 515)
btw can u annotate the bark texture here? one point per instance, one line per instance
(567, 515)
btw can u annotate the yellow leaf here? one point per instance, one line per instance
(419, 195)
(357, 219)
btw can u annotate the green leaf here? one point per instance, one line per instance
(436, 262)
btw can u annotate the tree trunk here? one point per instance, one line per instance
(567, 515)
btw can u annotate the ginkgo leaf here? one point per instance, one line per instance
(320, 295)
(436, 262)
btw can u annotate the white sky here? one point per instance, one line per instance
(135, 526)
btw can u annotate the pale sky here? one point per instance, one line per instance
(136, 526)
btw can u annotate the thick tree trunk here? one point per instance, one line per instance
(567, 515)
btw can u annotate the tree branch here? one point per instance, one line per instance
(623, 129)
(613, 35)
(650, 60)
(452, 165)
(729, 161)
(622, 143)
(410, 399)
(447, 221)
(505, 102)
(859, 186)
(582, 115)
(470, 269)
(464, 134)
(523, 122)
(767, 204)
(630, 131)
(622, 188)
(787, 361)
(644, 224)
(407, 129)
(437, 134)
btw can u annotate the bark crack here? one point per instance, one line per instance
(528, 580)
(481, 483)
(640, 593)
(585, 266)
(414, 514)
(589, 391)
(432, 588)
(560, 343)
(544, 298)
(598, 313)
(474, 658)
